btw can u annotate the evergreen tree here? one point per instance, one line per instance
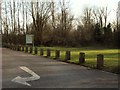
(108, 37)
(97, 33)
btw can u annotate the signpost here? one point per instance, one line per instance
(30, 39)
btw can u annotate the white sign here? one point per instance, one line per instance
(29, 39)
(23, 81)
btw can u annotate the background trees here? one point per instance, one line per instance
(52, 23)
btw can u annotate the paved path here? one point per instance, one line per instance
(53, 74)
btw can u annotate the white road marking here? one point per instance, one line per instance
(23, 81)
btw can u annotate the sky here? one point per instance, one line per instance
(78, 6)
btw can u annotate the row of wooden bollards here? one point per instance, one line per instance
(100, 57)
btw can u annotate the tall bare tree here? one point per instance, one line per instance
(63, 22)
(23, 15)
(105, 15)
(18, 6)
(11, 14)
(14, 16)
(26, 13)
(87, 23)
(53, 14)
(101, 15)
(40, 14)
(6, 19)
(1, 18)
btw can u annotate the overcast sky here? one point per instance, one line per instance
(78, 6)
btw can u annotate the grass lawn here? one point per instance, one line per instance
(110, 56)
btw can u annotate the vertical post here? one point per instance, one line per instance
(13, 47)
(82, 57)
(48, 52)
(100, 61)
(30, 49)
(41, 51)
(57, 54)
(18, 48)
(35, 49)
(22, 48)
(10, 47)
(26, 49)
(67, 56)
(33, 41)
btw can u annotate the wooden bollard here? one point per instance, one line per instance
(18, 48)
(48, 52)
(31, 48)
(26, 49)
(82, 57)
(57, 54)
(41, 51)
(10, 47)
(35, 49)
(67, 56)
(22, 48)
(15, 48)
(100, 61)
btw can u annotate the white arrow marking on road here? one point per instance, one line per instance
(23, 81)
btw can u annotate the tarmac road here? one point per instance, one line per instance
(53, 74)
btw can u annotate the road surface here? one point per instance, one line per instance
(53, 74)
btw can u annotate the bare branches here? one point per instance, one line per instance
(101, 15)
